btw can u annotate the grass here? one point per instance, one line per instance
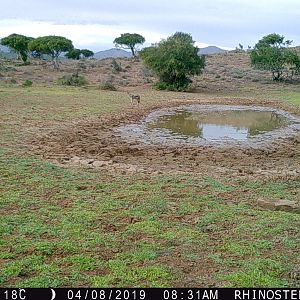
(53, 233)
(76, 227)
(57, 103)
(294, 98)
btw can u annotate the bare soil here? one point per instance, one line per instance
(94, 144)
(89, 141)
(223, 73)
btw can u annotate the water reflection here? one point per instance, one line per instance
(212, 125)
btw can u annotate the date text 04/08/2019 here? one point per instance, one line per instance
(109, 294)
(149, 294)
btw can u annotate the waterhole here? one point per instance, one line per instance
(218, 125)
(213, 125)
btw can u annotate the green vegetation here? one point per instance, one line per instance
(77, 53)
(51, 45)
(108, 86)
(271, 54)
(115, 66)
(73, 80)
(129, 41)
(27, 83)
(78, 227)
(173, 60)
(86, 53)
(73, 54)
(290, 96)
(71, 227)
(18, 43)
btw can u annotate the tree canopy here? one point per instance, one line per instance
(86, 53)
(173, 60)
(77, 53)
(271, 53)
(129, 41)
(18, 43)
(51, 45)
(73, 54)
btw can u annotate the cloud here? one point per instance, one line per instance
(94, 36)
(94, 22)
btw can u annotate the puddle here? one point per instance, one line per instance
(217, 125)
(212, 125)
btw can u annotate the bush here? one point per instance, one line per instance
(108, 86)
(272, 53)
(27, 83)
(72, 80)
(174, 60)
(116, 67)
(180, 87)
(13, 81)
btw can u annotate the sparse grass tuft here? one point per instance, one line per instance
(63, 226)
(107, 86)
(27, 83)
(72, 80)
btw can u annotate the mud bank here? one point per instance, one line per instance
(141, 133)
(94, 143)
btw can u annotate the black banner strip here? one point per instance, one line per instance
(149, 294)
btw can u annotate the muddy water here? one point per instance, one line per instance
(213, 125)
(217, 125)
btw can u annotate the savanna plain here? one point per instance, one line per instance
(80, 206)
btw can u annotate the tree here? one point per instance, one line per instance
(77, 53)
(73, 54)
(51, 45)
(18, 43)
(87, 53)
(239, 49)
(173, 60)
(271, 53)
(129, 41)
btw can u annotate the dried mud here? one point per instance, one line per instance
(94, 144)
(141, 133)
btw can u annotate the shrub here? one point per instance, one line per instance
(27, 83)
(174, 60)
(271, 53)
(72, 80)
(108, 86)
(116, 67)
(13, 81)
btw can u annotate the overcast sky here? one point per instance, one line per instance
(94, 24)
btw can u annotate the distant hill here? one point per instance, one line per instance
(5, 52)
(118, 53)
(4, 49)
(112, 53)
(211, 50)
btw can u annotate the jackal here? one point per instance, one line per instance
(134, 97)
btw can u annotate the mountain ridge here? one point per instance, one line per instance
(111, 53)
(117, 53)
(211, 50)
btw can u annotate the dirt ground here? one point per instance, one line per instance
(223, 72)
(110, 217)
(94, 144)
